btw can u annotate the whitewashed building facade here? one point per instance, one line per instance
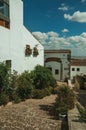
(78, 67)
(17, 45)
(58, 61)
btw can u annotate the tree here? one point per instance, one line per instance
(4, 76)
(42, 77)
(65, 100)
(25, 86)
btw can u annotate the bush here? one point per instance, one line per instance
(65, 100)
(16, 98)
(55, 90)
(20, 87)
(80, 81)
(14, 80)
(42, 78)
(38, 93)
(25, 87)
(4, 77)
(82, 111)
(4, 99)
(13, 85)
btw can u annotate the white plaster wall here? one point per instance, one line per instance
(13, 41)
(29, 39)
(4, 43)
(54, 66)
(65, 68)
(65, 63)
(82, 71)
(59, 55)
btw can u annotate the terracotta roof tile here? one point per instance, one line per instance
(78, 62)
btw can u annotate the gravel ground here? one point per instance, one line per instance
(30, 115)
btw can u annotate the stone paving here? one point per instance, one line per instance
(30, 115)
(74, 120)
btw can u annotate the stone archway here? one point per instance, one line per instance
(54, 59)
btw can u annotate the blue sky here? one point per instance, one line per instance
(58, 24)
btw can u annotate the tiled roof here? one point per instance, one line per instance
(78, 62)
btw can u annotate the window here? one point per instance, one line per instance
(4, 8)
(1, 7)
(78, 69)
(56, 71)
(73, 69)
(4, 13)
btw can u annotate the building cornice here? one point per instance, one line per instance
(53, 59)
(57, 51)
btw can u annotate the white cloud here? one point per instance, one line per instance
(52, 40)
(63, 7)
(41, 37)
(83, 35)
(83, 1)
(65, 30)
(77, 16)
(53, 34)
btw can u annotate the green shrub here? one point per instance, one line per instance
(65, 100)
(25, 87)
(40, 93)
(80, 81)
(14, 80)
(16, 98)
(4, 77)
(82, 111)
(55, 90)
(42, 78)
(13, 85)
(4, 99)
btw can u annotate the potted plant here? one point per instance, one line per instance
(35, 51)
(28, 50)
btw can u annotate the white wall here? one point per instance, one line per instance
(13, 41)
(4, 43)
(65, 64)
(55, 66)
(82, 71)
